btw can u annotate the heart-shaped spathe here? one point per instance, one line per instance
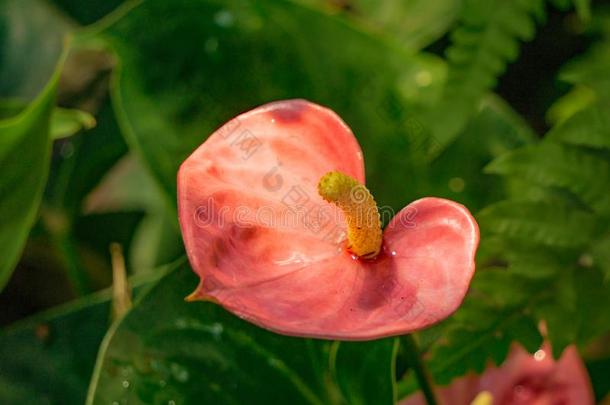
(269, 249)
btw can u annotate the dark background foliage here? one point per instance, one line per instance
(501, 105)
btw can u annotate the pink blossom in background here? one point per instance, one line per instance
(523, 379)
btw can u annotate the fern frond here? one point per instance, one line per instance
(583, 8)
(470, 349)
(487, 38)
(600, 254)
(577, 99)
(555, 165)
(544, 253)
(539, 222)
(589, 127)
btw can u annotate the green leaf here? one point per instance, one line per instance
(583, 8)
(555, 165)
(534, 264)
(67, 122)
(599, 369)
(592, 305)
(495, 314)
(589, 127)
(577, 99)
(591, 69)
(166, 349)
(538, 222)
(486, 39)
(577, 310)
(49, 358)
(559, 311)
(213, 60)
(25, 144)
(470, 348)
(32, 36)
(357, 371)
(94, 10)
(600, 252)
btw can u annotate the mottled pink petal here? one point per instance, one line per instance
(269, 249)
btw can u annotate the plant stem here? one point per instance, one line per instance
(421, 373)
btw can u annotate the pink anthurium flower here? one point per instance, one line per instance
(279, 226)
(523, 379)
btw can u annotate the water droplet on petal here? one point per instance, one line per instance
(540, 355)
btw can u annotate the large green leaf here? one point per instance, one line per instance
(32, 34)
(25, 144)
(166, 349)
(210, 60)
(49, 358)
(358, 372)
